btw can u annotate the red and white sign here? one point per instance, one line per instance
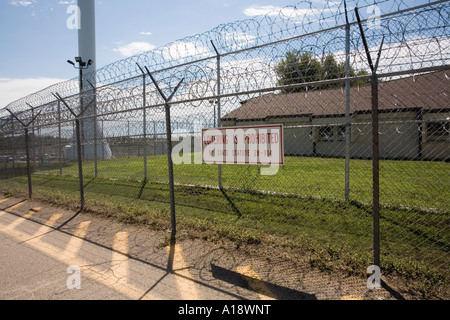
(256, 145)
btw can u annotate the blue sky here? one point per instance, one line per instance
(35, 40)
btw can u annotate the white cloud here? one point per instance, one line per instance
(22, 3)
(181, 50)
(14, 89)
(238, 40)
(134, 48)
(262, 10)
(291, 12)
(145, 33)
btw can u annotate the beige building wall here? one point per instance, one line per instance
(324, 136)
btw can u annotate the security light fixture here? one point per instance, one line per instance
(82, 64)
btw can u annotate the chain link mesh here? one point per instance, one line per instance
(286, 68)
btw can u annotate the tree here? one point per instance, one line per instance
(298, 68)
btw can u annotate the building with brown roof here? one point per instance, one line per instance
(414, 116)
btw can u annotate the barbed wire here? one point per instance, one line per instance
(415, 36)
(287, 67)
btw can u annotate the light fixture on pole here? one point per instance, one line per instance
(82, 65)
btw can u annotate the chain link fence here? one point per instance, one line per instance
(344, 194)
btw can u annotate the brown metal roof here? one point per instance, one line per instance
(429, 92)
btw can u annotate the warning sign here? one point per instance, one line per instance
(257, 145)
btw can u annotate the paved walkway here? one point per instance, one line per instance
(49, 253)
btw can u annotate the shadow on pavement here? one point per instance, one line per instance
(262, 287)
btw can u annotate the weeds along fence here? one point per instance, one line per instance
(365, 114)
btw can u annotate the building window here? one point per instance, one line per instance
(341, 133)
(326, 134)
(438, 131)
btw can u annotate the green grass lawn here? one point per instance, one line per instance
(305, 209)
(416, 184)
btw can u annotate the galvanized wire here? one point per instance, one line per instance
(286, 67)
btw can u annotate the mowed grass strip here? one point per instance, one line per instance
(419, 184)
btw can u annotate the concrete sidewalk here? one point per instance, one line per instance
(48, 253)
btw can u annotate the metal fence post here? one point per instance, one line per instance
(94, 137)
(144, 120)
(170, 164)
(33, 150)
(102, 139)
(375, 171)
(218, 108)
(347, 106)
(375, 146)
(12, 142)
(169, 151)
(80, 162)
(96, 143)
(79, 148)
(128, 135)
(27, 148)
(60, 151)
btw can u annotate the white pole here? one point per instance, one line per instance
(87, 51)
(86, 36)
